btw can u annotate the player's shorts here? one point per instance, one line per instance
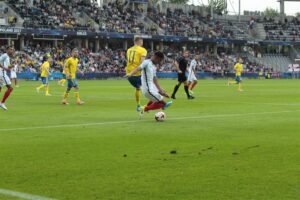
(135, 81)
(72, 83)
(181, 77)
(64, 76)
(152, 95)
(13, 75)
(192, 77)
(4, 80)
(238, 79)
(44, 80)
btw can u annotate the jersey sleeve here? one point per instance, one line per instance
(143, 52)
(5, 61)
(144, 64)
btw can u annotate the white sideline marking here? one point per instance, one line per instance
(22, 195)
(136, 121)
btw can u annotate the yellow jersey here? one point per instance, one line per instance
(45, 68)
(238, 69)
(71, 65)
(134, 55)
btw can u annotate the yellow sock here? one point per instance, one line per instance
(40, 87)
(66, 95)
(138, 96)
(47, 90)
(63, 81)
(77, 96)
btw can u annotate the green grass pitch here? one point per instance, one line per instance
(229, 145)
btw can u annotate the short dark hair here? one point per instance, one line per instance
(137, 38)
(9, 46)
(159, 54)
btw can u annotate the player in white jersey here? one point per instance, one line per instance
(13, 74)
(192, 79)
(5, 66)
(150, 86)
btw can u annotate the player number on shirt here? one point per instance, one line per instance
(131, 56)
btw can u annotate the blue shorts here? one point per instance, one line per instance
(238, 79)
(72, 83)
(135, 81)
(44, 80)
(64, 76)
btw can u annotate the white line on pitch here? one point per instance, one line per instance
(135, 121)
(22, 195)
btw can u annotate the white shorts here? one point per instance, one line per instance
(152, 95)
(192, 77)
(13, 75)
(4, 80)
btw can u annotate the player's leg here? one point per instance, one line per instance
(47, 88)
(173, 96)
(44, 82)
(239, 82)
(76, 92)
(186, 89)
(136, 82)
(66, 94)
(156, 101)
(193, 82)
(7, 92)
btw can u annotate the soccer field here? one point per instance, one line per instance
(224, 145)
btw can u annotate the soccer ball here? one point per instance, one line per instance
(160, 116)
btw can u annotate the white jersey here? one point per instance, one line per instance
(148, 73)
(192, 66)
(5, 63)
(192, 76)
(149, 89)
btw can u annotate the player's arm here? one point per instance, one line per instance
(67, 69)
(143, 55)
(81, 72)
(177, 67)
(133, 72)
(160, 89)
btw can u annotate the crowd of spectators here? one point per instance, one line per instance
(109, 60)
(193, 23)
(53, 14)
(287, 30)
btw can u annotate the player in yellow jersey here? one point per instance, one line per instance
(135, 56)
(71, 68)
(45, 72)
(62, 81)
(238, 67)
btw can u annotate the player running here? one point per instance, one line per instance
(192, 79)
(45, 73)
(181, 67)
(151, 89)
(238, 67)
(5, 66)
(135, 56)
(71, 68)
(13, 74)
(62, 81)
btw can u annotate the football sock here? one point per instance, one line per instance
(77, 96)
(41, 86)
(138, 96)
(155, 106)
(66, 95)
(6, 94)
(47, 90)
(175, 90)
(186, 89)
